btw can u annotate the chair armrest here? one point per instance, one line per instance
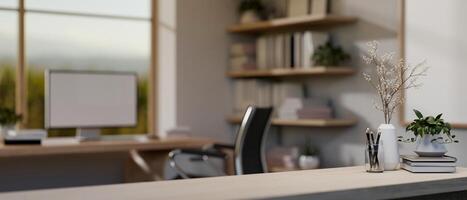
(198, 152)
(219, 147)
(204, 155)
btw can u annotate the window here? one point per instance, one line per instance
(8, 57)
(9, 3)
(78, 35)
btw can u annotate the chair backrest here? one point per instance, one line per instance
(249, 144)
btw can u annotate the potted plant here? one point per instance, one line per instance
(389, 78)
(329, 55)
(431, 134)
(250, 11)
(8, 119)
(309, 159)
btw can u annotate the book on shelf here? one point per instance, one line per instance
(297, 8)
(243, 56)
(257, 92)
(319, 7)
(261, 51)
(242, 49)
(251, 92)
(242, 63)
(288, 50)
(305, 108)
(279, 51)
(297, 40)
(419, 164)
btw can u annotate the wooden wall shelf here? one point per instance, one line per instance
(315, 71)
(307, 22)
(303, 122)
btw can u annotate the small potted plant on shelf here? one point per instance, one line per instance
(250, 11)
(431, 134)
(8, 119)
(329, 55)
(310, 158)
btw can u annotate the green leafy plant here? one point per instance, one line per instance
(329, 55)
(8, 116)
(254, 5)
(430, 126)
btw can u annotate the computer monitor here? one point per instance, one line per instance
(89, 100)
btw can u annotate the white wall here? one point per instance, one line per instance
(203, 96)
(167, 57)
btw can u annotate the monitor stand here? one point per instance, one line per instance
(88, 133)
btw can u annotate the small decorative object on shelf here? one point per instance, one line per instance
(329, 55)
(374, 156)
(310, 158)
(8, 119)
(428, 132)
(389, 79)
(250, 11)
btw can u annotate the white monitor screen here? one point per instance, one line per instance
(90, 99)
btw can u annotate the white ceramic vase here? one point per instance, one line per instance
(391, 150)
(425, 147)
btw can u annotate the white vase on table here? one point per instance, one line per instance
(391, 149)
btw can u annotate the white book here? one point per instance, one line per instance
(270, 51)
(279, 51)
(319, 7)
(261, 57)
(415, 158)
(428, 169)
(307, 49)
(297, 50)
(288, 50)
(430, 164)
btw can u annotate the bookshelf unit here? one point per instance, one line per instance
(284, 24)
(315, 71)
(289, 25)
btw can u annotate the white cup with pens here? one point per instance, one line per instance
(374, 161)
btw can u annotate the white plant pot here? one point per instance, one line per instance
(391, 150)
(430, 149)
(249, 16)
(308, 162)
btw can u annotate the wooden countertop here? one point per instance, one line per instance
(102, 146)
(335, 183)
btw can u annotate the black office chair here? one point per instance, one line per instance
(249, 157)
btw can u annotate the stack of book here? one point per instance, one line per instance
(306, 108)
(260, 93)
(243, 56)
(418, 164)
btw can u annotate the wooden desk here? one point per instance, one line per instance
(102, 146)
(337, 183)
(146, 159)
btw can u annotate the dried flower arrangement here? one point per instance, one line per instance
(390, 79)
